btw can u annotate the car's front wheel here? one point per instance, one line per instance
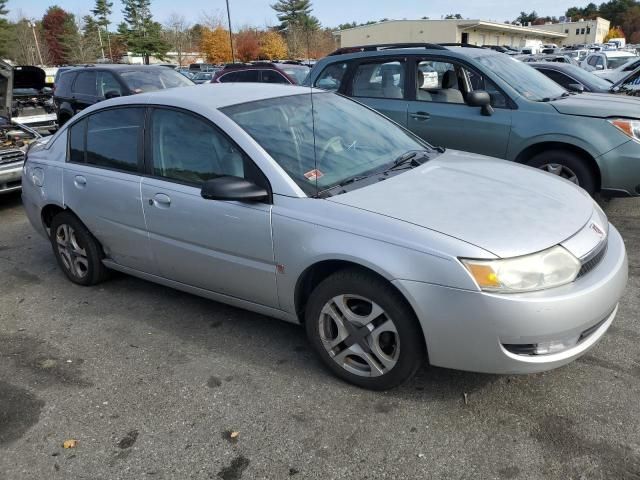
(78, 253)
(364, 331)
(567, 165)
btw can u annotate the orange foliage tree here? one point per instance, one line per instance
(215, 45)
(247, 45)
(273, 46)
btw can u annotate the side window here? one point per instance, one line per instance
(241, 76)
(108, 83)
(189, 149)
(600, 61)
(271, 76)
(438, 82)
(379, 80)
(331, 77)
(114, 138)
(560, 78)
(76, 142)
(480, 82)
(85, 84)
(593, 60)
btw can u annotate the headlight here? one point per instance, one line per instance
(538, 271)
(630, 128)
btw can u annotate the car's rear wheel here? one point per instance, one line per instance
(567, 165)
(78, 253)
(364, 331)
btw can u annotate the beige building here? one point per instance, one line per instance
(474, 32)
(583, 31)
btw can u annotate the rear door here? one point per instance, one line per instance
(101, 182)
(438, 111)
(220, 246)
(83, 91)
(381, 84)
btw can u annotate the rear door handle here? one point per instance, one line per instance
(420, 116)
(160, 200)
(79, 181)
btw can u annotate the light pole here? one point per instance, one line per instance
(233, 57)
(35, 37)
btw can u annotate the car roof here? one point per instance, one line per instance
(212, 95)
(451, 51)
(617, 53)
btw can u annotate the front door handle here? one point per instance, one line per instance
(160, 200)
(420, 116)
(79, 181)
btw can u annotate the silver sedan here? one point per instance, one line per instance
(312, 208)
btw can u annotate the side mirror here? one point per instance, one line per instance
(480, 98)
(599, 67)
(575, 87)
(112, 94)
(227, 187)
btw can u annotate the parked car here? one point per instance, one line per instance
(573, 78)
(30, 100)
(203, 77)
(505, 109)
(618, 73)
(577, 54)
(203, 67)
(547, 58)
(629, 85)
(602, 62)
(14, 138)
(80, 87)
(320, 211)
(262, 72)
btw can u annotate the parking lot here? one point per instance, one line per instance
(155, 383)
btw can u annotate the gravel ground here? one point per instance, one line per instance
(151, 382)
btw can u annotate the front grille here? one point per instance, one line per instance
(11, 156)
(594, 260)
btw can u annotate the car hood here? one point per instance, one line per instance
(28, 76)
(599, 105)
(502, 207)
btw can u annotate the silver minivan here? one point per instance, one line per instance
(312, 208)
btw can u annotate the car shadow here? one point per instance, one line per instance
(10, 200)
(261, 340)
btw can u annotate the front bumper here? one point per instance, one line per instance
(10, 177)
(468, 330)
(620, 170)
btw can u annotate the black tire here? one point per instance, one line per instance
(94, 272)
(575, 163)
(412, 352)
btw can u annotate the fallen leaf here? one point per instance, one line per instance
(71, 443)
(234, 435)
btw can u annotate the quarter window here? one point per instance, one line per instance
(271, 76)
(114, 138)
(379, 80)
(331, 77)
(85, 84)
(189, 149)
(76, 141)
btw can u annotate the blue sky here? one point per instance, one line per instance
(330, 12)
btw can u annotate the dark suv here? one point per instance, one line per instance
(80, 87)
(263, 72)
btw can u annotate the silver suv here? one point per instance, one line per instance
(312, 208)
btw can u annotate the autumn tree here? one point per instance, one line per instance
(215, 45)
(82, 44)
(247, 45)
(614, 32)
(453, 16)
(272, 46)
(59, 26)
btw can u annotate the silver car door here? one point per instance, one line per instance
(102, 183)
(221, 246)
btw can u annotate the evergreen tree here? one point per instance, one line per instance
(5, 29)
(293, 13)
(102, 10)
(141, 34)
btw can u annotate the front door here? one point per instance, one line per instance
(380, 84)
(221, 246)
(438, 111)
(101, 183)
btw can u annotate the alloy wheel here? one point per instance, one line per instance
(359, 336)
(562, 171)
(74, 257)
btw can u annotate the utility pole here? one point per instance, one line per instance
(233, 57)
(32, 24)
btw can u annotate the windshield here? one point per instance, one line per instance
(297, 73)
(350, 139)
(524, 79)
(615, 62)
(154, 79)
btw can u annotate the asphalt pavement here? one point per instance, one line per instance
(155, 383)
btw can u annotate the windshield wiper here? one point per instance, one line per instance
(553, 99)
(408, 158)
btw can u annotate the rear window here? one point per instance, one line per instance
(148, 80)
